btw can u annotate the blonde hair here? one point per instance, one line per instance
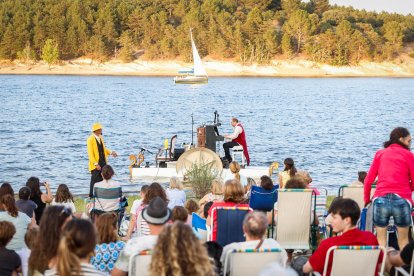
(78, 241)
(235, 169)
(175, 183)
(305, 176)
(233, 191)
(176, 256)
(217, 187)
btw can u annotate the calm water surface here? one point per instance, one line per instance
(331, 127)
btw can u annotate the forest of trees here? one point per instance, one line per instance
(248, 31)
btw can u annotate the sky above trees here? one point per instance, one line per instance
(399, 6)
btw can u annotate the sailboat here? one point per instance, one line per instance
(198, 74)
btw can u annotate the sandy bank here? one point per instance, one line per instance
(277, 68)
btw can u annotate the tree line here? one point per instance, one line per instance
(248, 31)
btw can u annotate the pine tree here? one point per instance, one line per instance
(287, 47)
(50, 52)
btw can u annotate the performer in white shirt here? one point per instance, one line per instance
(238, 138)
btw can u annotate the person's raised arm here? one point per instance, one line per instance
(372, 174)
(48, 197)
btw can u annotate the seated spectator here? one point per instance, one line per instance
(266, 182)
(24, 204)
(254, 227)
(6, 189)
(154, 190)
(192, 207)
(64, 197)
(207, 207)
(174, 255)
(234, 173)
(401, 258)
(156, 214)
(10, 263)
(233, 196)
(175, 193)
(107, 184)
(215, 195)
(179, 213)
(308, 180)
(75, 250)
(361, 179)
(108, 243)
(288, 172)
(20, 221)
(43, 254)
(39, 198)
(135, 205)
(24, 253)
(345, 214)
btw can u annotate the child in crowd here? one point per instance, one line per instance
(179, 213)
(175, 193)
(192, 207)
(361, 179)
(308, 180)
(24, 204)
(134, 210)
(10, 263)
(24, 253)
(64, 197)
(215, 195)
(288, 172)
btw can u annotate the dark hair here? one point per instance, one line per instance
(30, 237)
(345, 207)
(395, 135)
(144, 189)
(24, 193)
(192, 206)
(207, 207)
(34, 184)
(48, 239)
(154, 190)
(107, 172)
(7, 231)
(63, 194)
(179, 213)
(10, 205)
(6, 189)
(361, 176)
(290, 166)
(295, 183)
(107, 226)
(266, 182)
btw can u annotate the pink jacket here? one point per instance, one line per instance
(394, 167)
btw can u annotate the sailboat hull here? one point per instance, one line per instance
(190, 79)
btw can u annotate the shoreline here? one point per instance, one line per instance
(296, 68)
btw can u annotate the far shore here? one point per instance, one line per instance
(403, 67)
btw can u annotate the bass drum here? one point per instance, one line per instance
(198, 156)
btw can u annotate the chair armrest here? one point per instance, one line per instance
(402, 271)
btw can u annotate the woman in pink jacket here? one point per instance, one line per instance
(394, 166)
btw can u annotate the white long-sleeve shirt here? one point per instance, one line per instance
(236, 133)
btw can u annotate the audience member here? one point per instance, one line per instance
(110, 203)
(76, 247)
(43, 253)
(39, 198)
(24, 204)
(6, 189)
(154, 190)
(394, 167)
(288, 172)
(108, 248)
(233, 196)
(308, 180)
(266, 182)
(361, 178)
(345, 214)
(30, 240)
(215, 195)
(179, 213)
(20, 221)
(174, 255)
(207, 207)
(10, 263)
(175, 193)
(401, 258)
(234, 173)
(134, 211)
(192, 207)
(156, 214)
(254, 228)
(64, 197)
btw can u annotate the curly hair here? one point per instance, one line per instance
(176, 256)
(63, 194)
(154, 190)
(233, 191)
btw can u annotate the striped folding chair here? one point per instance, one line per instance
(250, 261)
(320, 210)
(354, 260)
(139, 263)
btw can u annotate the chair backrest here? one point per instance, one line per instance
(355, 192)
(261, 199)
(139, 264)
(320, 208)
(294, 209)
(229, 224)
(250, 261)
(364, 260)
(199, 226)
(104, 195)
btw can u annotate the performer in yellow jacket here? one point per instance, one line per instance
(97, 153)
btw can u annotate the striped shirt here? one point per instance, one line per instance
(86, 270)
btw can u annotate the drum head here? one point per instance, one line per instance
(198, 156)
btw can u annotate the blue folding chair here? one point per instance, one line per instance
(199, 226)
(264, 200)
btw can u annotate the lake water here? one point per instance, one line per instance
(330, 126)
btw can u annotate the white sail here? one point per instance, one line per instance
(198, 66)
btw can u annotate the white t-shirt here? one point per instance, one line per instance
(68, 204)
(135, 205)
(21, 223)
(228, 175)
(176, 198)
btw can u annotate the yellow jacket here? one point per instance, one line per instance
(93, 152)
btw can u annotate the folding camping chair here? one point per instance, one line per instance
(264, 200)
(293, 225)
(355, 192)
(139, 264)
(102, 194)
(199, 226)
(354, 260)
(229, 224)
(250, 261)
(320, 210)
